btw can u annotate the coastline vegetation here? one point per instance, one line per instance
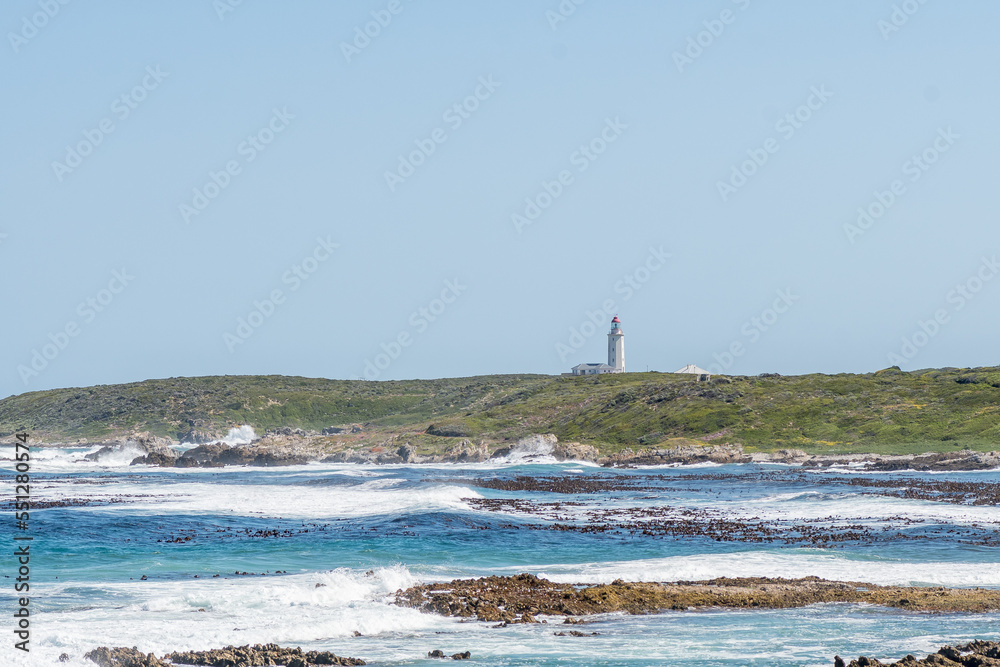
(887, 412)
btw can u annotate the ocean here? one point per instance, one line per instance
(168, 559)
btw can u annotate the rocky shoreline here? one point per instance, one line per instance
(288, 446)
(524, 597)
(230, 656)
(974, 654)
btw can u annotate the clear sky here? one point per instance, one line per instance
(200, 188)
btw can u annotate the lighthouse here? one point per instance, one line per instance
(616, 354)
(616, 347)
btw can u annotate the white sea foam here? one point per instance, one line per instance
(291, 610)
(807, 506)
(373, 497)
(117, 458)
(243, 435)
(788, 564)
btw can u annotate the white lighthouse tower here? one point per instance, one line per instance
(616, 347)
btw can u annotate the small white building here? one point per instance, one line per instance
(592, 369)
(616, 354)
(691, 369)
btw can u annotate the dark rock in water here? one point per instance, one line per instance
(464, 655)
(436, 653)
(220, 454)
(267, 654)
(205, 453)
(156, 459)
(683, 454)
(64, 657)
(144, 442)
(838, 661)
(123, 657)
(279, 459)
(962, 460)
(974, 654)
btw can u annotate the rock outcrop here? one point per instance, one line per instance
(974, 654)
(463, 452)
(267, 654)
(137, 442)
(231, 656)
(574, 451)
(961, 460)
(338, 430)
(519, 599)
(218, 454)
(123, 657)
(681, 454)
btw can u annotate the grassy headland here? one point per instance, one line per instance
(888, 412)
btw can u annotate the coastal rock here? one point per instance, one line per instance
(532, 446)
(974, 654)
(681, 454)
(519, 599)
(123, 657)
(961, 460)
(221, 454)
(349, 456)
(574, 451)
(286, 431)
(196, 432)
(137, 442)
(338, 430)
(466, 452)
(205, 453)
(156, 459)
(267, 654)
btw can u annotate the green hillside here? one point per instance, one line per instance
(885, 412)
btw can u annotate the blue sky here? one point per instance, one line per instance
(201, 188)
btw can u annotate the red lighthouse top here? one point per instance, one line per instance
(616, 320)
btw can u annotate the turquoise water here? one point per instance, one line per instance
(325, 546)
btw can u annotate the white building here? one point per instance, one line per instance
(616, 354)
(691, 369)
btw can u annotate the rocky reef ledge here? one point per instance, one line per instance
(974, 654)
(231, 656)
(520, 598)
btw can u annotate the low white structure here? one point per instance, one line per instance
(592, 369)
(693, 370)
(616, 354)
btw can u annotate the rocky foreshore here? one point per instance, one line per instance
(974, 654)
(524, 597)
(230, 656)
(288, 446)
